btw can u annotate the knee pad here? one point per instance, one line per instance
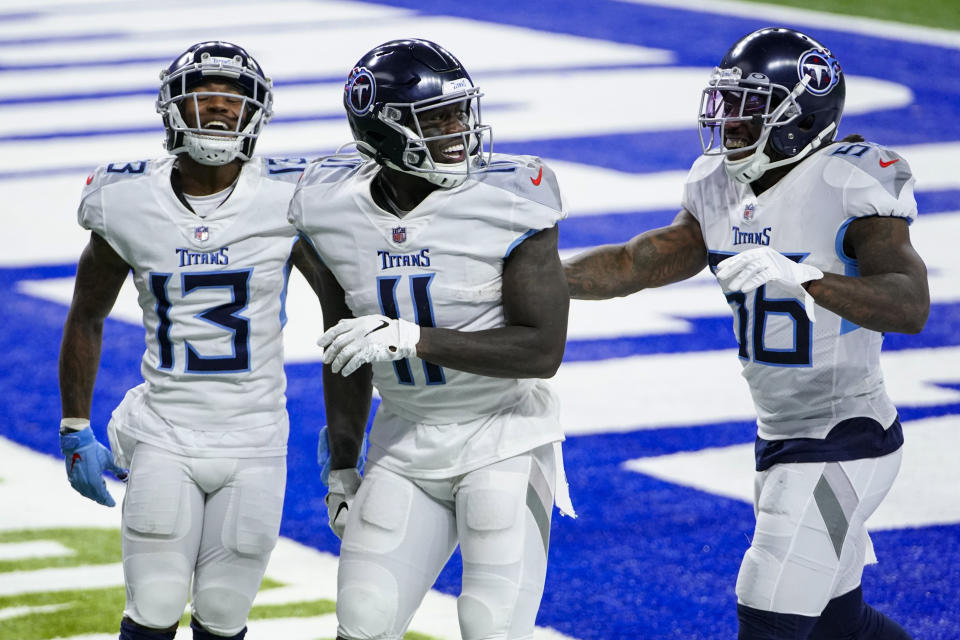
(479, 620)
(157, 588)
(221, 610)
(367, 608)
(200, 633)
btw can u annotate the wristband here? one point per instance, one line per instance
(69, 425)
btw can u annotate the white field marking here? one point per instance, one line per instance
(925, 492)
(533, 114)
(655, 311)
(818, 19)
(33, 549)
(61, 579)
(16, 612)
(290, 54)
(144, 21)
(648, 392)
(37, 480)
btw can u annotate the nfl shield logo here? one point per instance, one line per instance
(399, 234)
(201, 233)
(748, 212)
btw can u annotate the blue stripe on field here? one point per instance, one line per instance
(5, 17)
(60, 39)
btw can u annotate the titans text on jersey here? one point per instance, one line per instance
(805, 377)
(441, 267)
(212, 314)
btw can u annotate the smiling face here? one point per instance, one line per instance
(746, 123)
(214, 109)
(449, 120)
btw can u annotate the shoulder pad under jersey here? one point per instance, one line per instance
(115, 172)
(284, 169)
(887, 167)
(330, 169)
(527, 177)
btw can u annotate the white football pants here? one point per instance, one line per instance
(213, 519)
(810, 542)
(401, 531)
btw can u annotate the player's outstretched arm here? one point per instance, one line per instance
(535, 304)
(890, 293)
(651, 259)
(100, 274)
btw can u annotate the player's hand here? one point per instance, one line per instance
(323, 455)
(749, 270)
(86, 460)
(354, 342)
(343, 487)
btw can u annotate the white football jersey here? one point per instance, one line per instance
(805, 377)
(440, 265)
(212, 292)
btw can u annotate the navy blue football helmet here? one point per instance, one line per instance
(224, 62)
(783, 79)
(385, 94)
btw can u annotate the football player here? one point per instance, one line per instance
(205, 234)
(443, 288)
(809, 240)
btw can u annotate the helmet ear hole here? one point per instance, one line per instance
(807, 123)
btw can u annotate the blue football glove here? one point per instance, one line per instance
(323, 455)
(86, 460)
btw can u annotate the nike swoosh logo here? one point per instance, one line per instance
(343, 507)
(74, 459)
(536, 182)
(383, 325)
(887, 164)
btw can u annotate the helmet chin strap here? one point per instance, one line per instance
(756, 164)
(212, 151)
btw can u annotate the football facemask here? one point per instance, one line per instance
(214, 145)
(407, 120)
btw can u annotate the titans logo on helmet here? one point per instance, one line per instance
(360, 89)
(823, 69)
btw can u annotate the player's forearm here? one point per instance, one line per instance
(600, 273)
(885, 302)
(652, 259)
(347, 402)
(507, 352)
(79, 361)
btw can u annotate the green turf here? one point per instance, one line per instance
(944, 14)
(54, 614)
(90, 546)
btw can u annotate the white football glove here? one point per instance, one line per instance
(343, 487)
(748, 270)
(354, 342)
